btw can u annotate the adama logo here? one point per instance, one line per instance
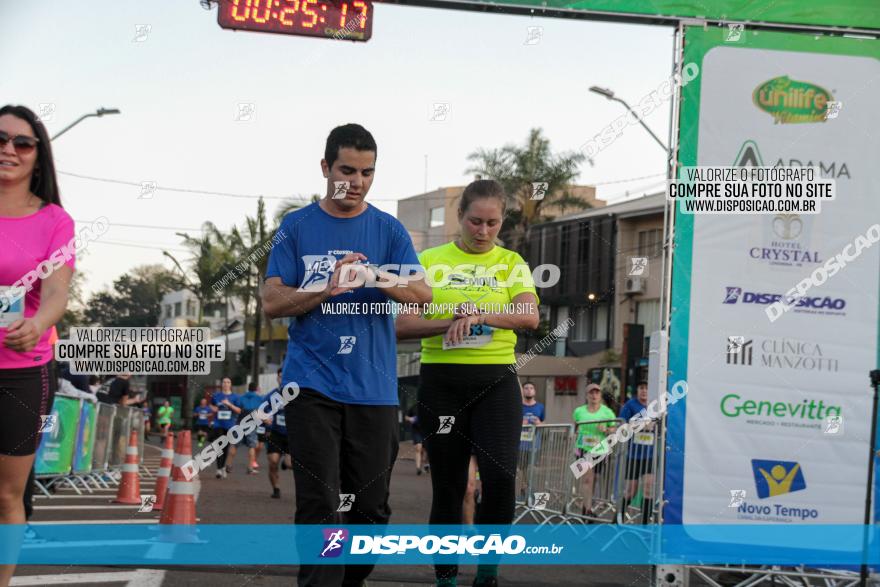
(790, 101)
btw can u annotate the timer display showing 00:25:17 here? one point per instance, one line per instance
(285, 12)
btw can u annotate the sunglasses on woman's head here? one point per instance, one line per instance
(23, 144)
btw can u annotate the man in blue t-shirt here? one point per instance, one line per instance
(202, 413)
(532, 414)
(640, 454)
(329, 271)
(226, 408)
(249, 402)
(277, 447)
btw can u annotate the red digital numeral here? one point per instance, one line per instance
(236, 4)
(363, 7)
(312, 13)
(266, 13)
(291, 11)
(342, 15)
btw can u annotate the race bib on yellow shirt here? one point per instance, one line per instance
(644, 438)
(11, 305)
(480, 335)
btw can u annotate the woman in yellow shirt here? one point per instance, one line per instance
(469, 395)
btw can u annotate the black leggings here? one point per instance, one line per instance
(221, 456)
(486, 403)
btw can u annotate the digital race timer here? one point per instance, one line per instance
(336, 19)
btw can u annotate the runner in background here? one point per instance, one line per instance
(589, 438)
(412, 418)
(471, 502)
(202, 413)
(640, 461)
(533, 413)
(148, 416)
(163, 417)
(277, 448)
(225, 406)
(466, 373)
(249, 402)
(34, 226)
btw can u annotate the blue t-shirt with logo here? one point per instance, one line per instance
(349, 355)
(279, 422)
(641, 445)
(225, 418)
(249, 402)
(529, 413)
(202, 413)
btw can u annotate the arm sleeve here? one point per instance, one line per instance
(521, 275)
(61, 237)
(284, 260)
(401, 250)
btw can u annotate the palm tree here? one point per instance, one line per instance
(516, 169)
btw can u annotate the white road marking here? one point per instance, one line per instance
(136, 578)
(121, 521)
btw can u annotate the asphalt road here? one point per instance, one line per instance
(244, 499)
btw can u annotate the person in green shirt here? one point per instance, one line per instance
(163, 417)
(469, 394)
(590, 437)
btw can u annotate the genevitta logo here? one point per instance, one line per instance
(807, 304)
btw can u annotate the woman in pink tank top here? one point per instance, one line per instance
(36, 266)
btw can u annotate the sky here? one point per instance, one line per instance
(179, 87)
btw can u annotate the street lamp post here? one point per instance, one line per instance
(610, 95)
(100, 112)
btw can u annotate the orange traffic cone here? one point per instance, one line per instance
(164, 471)
(180, 504)
(130, 488)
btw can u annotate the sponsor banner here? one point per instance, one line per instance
(423, 544)
(781, 414)
(85, 438)
(55, 455)
(853, 13)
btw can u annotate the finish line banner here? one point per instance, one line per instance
(774, 321)
(123, 544)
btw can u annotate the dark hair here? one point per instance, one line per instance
(348, 135)
(641, 383)
(252, 386)
(93, 379)
(44, 184)
(482, 188)
(530, 383)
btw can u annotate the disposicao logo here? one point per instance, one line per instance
(334, 538)
(791, 101)
(773, 478)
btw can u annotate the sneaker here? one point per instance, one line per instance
(223, 473)
(486, 582)
(276, 493)
(418, 471)
(255, 465)
(228, 468)
(427, 468)
(220, 473)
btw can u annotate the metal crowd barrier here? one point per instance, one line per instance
(81, 449)
(620, 488)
